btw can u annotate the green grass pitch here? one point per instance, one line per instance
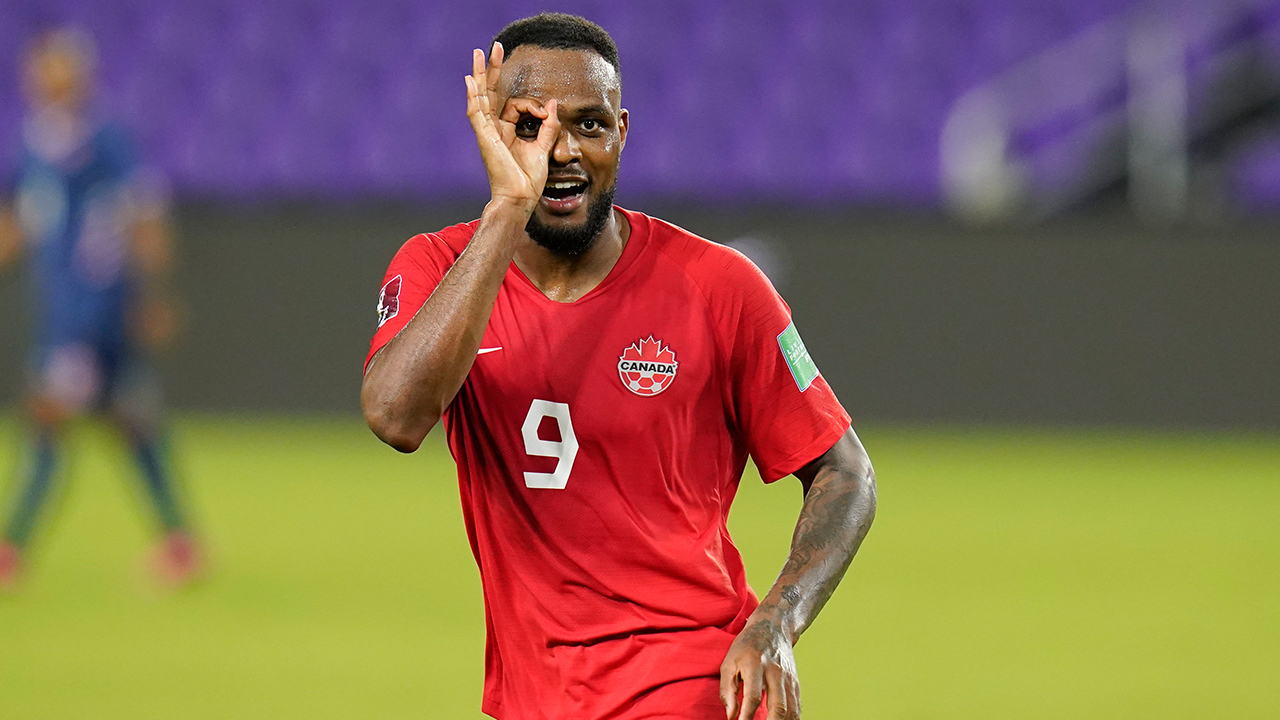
(1010, 574)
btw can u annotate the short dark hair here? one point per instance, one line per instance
(560, 31)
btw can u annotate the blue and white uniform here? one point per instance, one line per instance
(79, 199)
(78, 196)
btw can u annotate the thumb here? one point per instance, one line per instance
(729, 687)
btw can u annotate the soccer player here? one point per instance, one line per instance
(100, 253)
(602, 377)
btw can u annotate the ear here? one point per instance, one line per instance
(623, 118)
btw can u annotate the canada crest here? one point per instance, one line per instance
(647, 367)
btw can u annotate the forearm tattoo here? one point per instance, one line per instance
(837, 513)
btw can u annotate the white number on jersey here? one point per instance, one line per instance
(564, 451)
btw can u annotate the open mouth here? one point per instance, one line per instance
(563, 195)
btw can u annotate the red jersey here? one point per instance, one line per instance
(599, 445)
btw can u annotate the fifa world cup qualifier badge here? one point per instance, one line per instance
(647, 367)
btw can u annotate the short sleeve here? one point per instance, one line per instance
(784, 408)
(413, 275)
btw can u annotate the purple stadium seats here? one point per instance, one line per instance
(833, 100)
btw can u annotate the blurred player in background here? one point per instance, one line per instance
(96, 236)
(602, 377)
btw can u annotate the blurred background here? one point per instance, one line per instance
(1035, 247)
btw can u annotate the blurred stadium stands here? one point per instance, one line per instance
(818, 101)
(306, 139)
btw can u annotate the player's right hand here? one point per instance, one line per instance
(157, 322)
(10, 237)
(517, 167)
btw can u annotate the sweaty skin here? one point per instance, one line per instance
(557, 114)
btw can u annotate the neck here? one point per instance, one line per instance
(567, 278)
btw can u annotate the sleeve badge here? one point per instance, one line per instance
(389, 300)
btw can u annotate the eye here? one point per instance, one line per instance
(590, 125)
(528, 126)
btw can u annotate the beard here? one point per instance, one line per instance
(574, 240)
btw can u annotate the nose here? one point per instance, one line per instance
(566, 150)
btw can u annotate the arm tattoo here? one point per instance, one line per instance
(837, 513)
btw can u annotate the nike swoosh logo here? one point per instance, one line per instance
(482, 351)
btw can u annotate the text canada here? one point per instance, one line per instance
(650, 367)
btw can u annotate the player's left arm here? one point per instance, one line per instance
(839, 505)
(156, 321)
(10, 236)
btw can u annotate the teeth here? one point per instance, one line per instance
(564, 185)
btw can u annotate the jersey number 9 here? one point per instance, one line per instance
(563, 450)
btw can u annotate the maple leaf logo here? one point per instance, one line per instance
(647, 367)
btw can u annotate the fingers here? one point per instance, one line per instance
(496, 55)
(752, 687)
(792, 686)
(729, 686)
(516, 107)
(475, 102)
(478, 69)
(478, 114)
(548, 131)
(774, 693)
(513, 111)
(485, 78)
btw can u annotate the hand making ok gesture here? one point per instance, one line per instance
(517, 167)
